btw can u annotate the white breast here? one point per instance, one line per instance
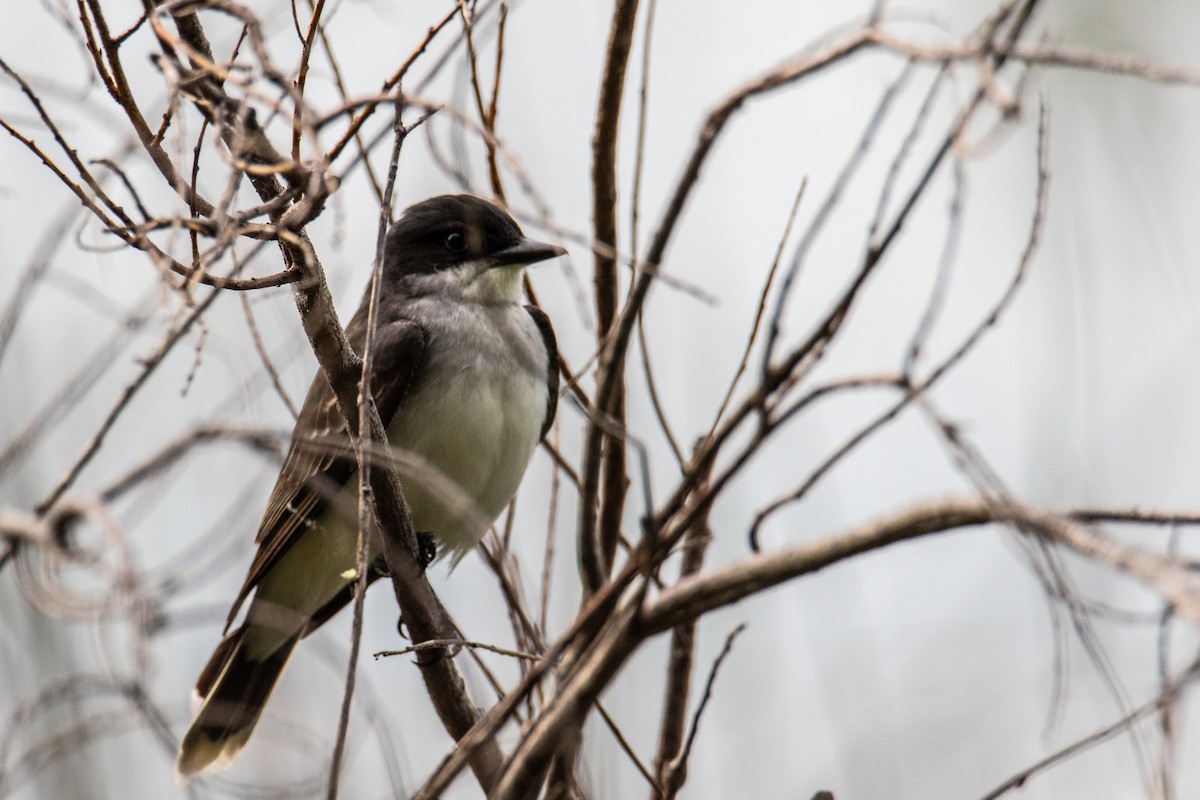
(472, 419)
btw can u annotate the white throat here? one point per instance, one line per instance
(473, 282)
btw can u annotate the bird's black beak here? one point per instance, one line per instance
(526, 251)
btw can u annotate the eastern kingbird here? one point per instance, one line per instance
(465, 379)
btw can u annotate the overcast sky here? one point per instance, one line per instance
(925, 671)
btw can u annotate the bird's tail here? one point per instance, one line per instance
(232, 691)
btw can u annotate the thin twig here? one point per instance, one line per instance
(314, 26)
(265, 358)
(148, 367)
(1020, 779)
(656, 403)
(677, 768)
(385, 91)
(624, 744)
(436, 644)
(365, 502)
(756, 326)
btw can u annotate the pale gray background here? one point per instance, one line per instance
(925, 671)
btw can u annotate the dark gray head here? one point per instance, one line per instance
(458, 244)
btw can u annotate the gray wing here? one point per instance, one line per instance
(320, 458)
(543, 323)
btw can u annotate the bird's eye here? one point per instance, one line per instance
(455, 242)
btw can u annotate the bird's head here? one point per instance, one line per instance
(462, 247)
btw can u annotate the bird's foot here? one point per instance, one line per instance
(426, 549)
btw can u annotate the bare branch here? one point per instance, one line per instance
(675, 772)
(694, 596)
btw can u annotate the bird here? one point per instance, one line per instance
(465, 378)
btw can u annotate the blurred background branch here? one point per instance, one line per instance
(876, 222)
